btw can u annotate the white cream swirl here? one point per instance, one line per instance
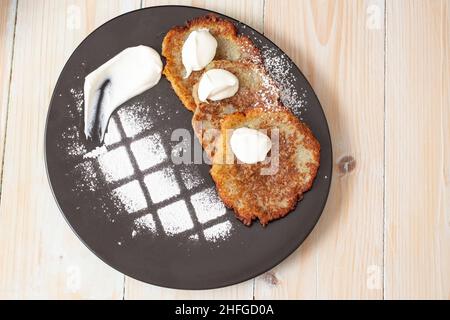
(249, 145)
(217, 84)
(198, 50)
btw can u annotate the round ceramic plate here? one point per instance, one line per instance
(137, 211)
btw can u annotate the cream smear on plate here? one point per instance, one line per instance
(129, 73)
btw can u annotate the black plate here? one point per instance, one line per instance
(89, 190)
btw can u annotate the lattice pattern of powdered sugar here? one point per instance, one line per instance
(134, 162)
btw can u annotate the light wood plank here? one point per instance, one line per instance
(418, 150)
(40, 257)
(250, 12)
(339, 45)
(135, 290)
(7, 21)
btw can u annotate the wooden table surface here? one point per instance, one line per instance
(381, 70)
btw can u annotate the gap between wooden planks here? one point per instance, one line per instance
(339, 45)
(7, 24)
(40, 257)
(418, 150)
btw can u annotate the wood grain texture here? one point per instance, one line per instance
(7, 20)
(40, 257)
(135, 290)
(386, 98)
(418, 150)
(250, 12)
(339, 45)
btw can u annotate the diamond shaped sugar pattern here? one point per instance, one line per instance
(162, 185)
(131, 196)
(148, 151)
(207, 205)
(175, 218)
(116, 164)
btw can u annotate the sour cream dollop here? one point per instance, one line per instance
(217, 84)
(129, 73)
(198, 50)
(249, 145)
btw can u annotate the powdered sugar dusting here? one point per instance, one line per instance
(135, 119)
(71, 142)
(191, 177)
(280, 68)
(116, 164)
(86, 176)
(207, 205)
(162, 185)
(131, 196)
(78, 97)
(144, 225)
(175, 218)
(95, 153)
(218, 232)
(148, 151)
(193, 237)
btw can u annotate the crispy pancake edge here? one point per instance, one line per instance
(247, 215)
(170, 49)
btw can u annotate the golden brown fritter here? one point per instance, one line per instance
(230, 46)
(244, 187)
(267, 190)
